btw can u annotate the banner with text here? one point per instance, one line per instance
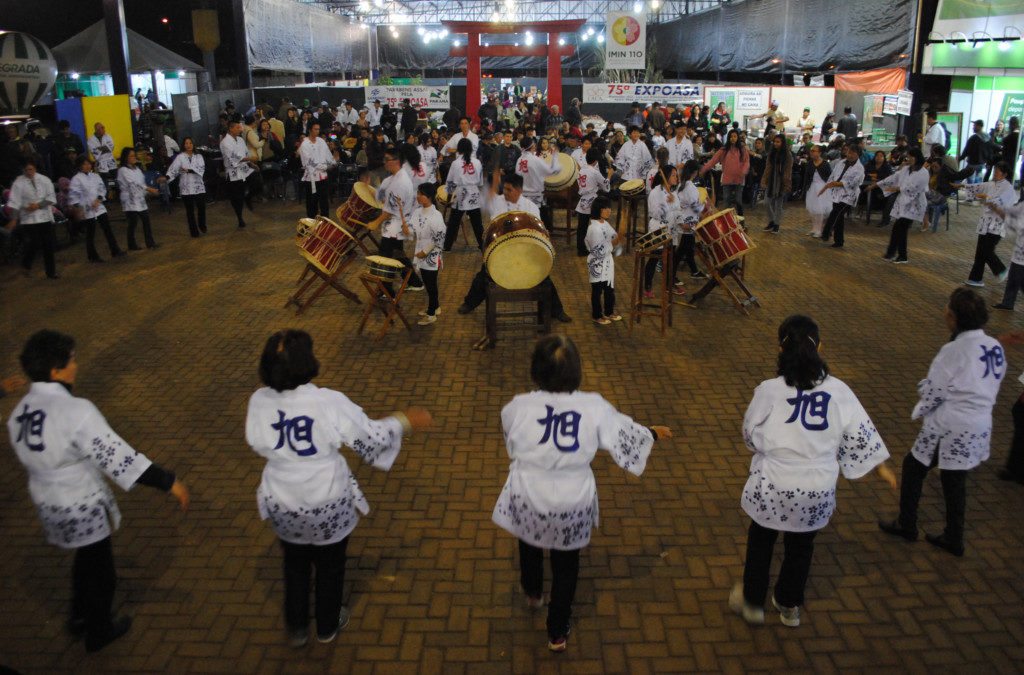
(666, 92)
(625, 41)
(421, 95)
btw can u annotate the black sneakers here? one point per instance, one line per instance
(117, 628)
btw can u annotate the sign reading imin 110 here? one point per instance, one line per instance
(625, 41)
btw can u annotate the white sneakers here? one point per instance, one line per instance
(789, 616)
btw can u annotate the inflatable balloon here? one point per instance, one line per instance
(27, 71)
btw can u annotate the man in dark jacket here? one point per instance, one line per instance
(66, 147)
(409, 118)
(553, 121)
(656, 118)
(489, 113)
(847, 126)
(451, 119)
(977, 151)
(573, 115)
(508, 153)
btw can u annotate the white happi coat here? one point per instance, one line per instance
(234, 152)
(66, 445)
(600, 263)
(998, 192)
(851, 179)
(453, 143)
(190, 183)
(397, 196)
(131, 184)
(307, 492)
(373, 115)
(429, 228)
(660, 212)
(85, 189)
(633, 160)
(590, 181)
(690, 207)
(316, 159)
(497, 205)
(550, 497)
(818, 204)
(102, 151)
(679, 152)
(464, 182)
(1014, 222)
(801, 439)
(417, 175)
(534, 169)
(579, 157)
(956, 400)
(911, 202)
(428, 157)
(26, 191)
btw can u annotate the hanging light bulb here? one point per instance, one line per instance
(561, 41)
(421, 30)
(456, 43)
(600, 38)
(655, 4)
(529, 38)
(495, 17)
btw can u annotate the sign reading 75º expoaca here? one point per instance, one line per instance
(665, 92)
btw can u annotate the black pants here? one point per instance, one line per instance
(40, 236)
(90, 236)
(684, 253)
(93, 580)
(1014, 283)
(985, 254)
(597, 289)
(582, 223)
(565, 570)
(898, 239)
(455, 222)
(318, 202)
(954, 491)
(238, 199)
(395, 249)
(194, 204)
(651, 268)
(329, 560)
(1015, 462)
(836, 222)
(430, 281)
(133, 218)
(796, 565)
(478, 292)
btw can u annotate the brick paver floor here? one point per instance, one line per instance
(168, 343)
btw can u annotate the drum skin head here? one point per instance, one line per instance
(632, 187)
(367, 194)
(520, 259)
(565, 177)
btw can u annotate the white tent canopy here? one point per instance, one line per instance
(87, 53)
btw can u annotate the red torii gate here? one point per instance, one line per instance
(473, 51)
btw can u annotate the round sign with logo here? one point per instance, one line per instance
(626, 30)
(27, 71)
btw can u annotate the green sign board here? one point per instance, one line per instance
(1013, 106)
(973, 9)
(984, 54)
(727, 97)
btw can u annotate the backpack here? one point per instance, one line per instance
(945, 136)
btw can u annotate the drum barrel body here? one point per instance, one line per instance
(517, 250)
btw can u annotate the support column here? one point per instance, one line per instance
(555, 72)
(472, 74)
(117, 45)
(241, 45)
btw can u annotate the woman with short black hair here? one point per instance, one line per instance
(308, 493)
(803, 427)
(550, 498)
(87, 193)
(956, 400)
(131, 184)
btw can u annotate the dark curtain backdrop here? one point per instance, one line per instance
(803, 35)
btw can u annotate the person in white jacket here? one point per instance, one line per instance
(844, 186)
(549, 501)
(67, 447)
(308, 493)
(590, 182)
(998, 191)
(465, 178)
(602, 238)
(101, 147)
(87, 192)
(316, 159)
(956, 400)
(31, 201)
(911, 184)
(131, 183)
(803, 427)
(427, 225)
(188, 168)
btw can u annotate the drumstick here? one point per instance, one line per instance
(401, 214)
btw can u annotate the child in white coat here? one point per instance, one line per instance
(601, 240)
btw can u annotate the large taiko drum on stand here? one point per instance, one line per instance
(724, 237)
(362, 208)
(326, 244)
(517, 250)
(564, 178)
